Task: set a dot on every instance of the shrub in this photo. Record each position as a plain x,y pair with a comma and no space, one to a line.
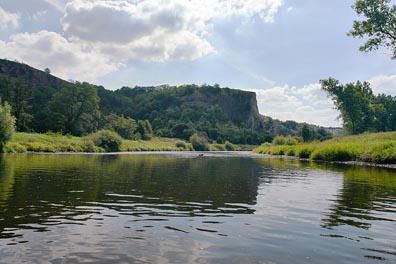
291,152
88,146
110,141
181,144
229,146
279,140
199,143
12,147
217,147
304,153
291,141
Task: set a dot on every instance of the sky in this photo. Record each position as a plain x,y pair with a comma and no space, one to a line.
279,49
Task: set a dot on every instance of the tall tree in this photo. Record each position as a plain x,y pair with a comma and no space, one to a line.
353,100
17,93
71,103
7,124
379,25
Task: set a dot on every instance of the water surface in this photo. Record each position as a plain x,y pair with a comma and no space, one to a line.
182,208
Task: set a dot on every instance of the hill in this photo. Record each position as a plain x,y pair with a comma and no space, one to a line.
42,102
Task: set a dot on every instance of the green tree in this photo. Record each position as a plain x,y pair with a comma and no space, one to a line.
379,25
110,141
353,100
199,143
125,127
7,124
306,133
17,93
144,129
70,104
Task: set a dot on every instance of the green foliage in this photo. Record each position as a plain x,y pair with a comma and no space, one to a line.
217,147
304,152
144,130
379,25
291,152
125,127
373,147
229,146
49,142
17,93
360,110
282,140
199,143
332,153
181,144
110,141
279,140
70,104
7,124
306,133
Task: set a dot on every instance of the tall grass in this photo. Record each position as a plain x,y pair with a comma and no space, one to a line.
373,147
54,142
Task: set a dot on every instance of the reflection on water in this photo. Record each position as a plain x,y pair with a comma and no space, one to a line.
181,208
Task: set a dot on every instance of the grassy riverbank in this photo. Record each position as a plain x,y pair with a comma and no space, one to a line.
53,142
373,147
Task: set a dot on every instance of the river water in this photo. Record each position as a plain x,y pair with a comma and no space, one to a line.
187,208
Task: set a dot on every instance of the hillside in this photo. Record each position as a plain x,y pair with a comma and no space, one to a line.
39,101
30,75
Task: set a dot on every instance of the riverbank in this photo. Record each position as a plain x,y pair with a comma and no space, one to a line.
54,142
377,148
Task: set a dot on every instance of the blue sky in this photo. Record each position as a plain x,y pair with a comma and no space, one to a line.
279,49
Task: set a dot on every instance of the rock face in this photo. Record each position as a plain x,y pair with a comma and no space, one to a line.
239,107
31,75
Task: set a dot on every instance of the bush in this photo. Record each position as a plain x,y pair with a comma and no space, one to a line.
291,152
199,143
217,147
279,140
181,144
291,141
110,141
304,153
88,146
229,146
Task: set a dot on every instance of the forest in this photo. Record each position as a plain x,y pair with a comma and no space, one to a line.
41,102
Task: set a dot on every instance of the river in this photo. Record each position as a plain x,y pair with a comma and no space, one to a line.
189,208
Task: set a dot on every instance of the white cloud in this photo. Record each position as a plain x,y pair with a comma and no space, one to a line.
155,30
384,84
58,4
38,15
102,35
307,104
64,58
8,20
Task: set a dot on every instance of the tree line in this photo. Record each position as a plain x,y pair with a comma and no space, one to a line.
361,110
72,109
214,113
